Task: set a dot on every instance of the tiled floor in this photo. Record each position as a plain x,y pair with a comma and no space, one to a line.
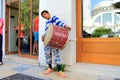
12,67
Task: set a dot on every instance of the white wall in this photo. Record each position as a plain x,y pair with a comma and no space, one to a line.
42,6
66,10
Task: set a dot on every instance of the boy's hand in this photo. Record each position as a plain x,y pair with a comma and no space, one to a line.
68,28
43,37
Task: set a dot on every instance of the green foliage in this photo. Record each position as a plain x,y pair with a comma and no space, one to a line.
36,6
62,67
117,5
25,11
101,31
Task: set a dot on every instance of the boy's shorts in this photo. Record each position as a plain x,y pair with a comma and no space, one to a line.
36,36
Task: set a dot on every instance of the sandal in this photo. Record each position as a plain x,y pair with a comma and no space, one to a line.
61,74
48,71
1,63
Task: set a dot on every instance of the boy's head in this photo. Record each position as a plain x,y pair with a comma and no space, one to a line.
45,14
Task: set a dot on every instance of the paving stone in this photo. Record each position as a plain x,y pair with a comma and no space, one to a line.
77,72
22,68
6,72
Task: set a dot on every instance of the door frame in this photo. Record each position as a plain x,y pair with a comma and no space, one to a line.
78,29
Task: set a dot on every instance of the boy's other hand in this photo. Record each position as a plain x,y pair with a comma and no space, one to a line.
68,28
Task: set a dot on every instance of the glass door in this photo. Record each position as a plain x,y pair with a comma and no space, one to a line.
29,9
35,26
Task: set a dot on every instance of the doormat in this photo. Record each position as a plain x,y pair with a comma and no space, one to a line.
117,79
19,76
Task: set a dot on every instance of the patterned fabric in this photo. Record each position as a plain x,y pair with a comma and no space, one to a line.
56,21
48,55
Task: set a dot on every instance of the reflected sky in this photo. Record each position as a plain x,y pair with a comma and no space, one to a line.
94,2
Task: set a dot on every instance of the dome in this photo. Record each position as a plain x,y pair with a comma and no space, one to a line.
105,3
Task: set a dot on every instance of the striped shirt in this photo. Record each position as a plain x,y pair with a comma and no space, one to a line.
54,20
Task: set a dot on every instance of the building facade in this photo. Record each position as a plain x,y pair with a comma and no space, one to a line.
78,48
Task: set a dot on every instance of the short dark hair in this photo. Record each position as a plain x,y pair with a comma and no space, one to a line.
44,11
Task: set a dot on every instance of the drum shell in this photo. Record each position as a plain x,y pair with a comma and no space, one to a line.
58,38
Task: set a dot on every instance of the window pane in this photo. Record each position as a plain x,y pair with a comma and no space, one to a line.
35,19
101,18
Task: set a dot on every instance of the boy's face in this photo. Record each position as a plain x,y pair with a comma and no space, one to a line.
46,15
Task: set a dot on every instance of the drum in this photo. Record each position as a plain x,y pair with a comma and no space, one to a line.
56,37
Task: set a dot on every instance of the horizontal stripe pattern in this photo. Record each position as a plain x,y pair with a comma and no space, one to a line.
56,21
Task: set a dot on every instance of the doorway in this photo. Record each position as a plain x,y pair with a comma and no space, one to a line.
11,21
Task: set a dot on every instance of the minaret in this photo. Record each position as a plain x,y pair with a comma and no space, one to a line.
86,9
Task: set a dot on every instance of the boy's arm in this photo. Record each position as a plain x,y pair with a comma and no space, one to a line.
58,22
15,28
43,37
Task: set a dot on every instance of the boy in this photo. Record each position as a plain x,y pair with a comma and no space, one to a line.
48,50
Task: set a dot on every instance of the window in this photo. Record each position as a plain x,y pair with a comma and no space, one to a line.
100,19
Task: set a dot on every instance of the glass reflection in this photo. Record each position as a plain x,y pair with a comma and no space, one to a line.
101,18
25,26
35,16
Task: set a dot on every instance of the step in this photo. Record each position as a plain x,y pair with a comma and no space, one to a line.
96,69
17,58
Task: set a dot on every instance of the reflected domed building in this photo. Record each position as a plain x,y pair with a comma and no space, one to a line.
105,15
103,6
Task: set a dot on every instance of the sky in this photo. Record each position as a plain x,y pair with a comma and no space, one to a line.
94,2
